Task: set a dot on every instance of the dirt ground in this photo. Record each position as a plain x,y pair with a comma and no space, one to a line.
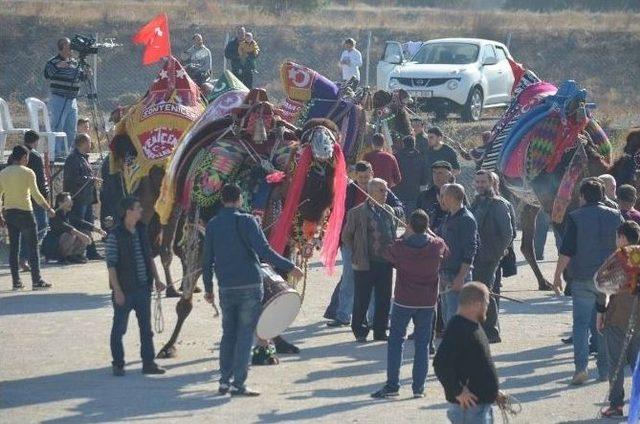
55,362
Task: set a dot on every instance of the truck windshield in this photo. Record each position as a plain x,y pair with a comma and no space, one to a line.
447,54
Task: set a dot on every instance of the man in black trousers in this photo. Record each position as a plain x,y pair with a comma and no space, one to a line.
369,231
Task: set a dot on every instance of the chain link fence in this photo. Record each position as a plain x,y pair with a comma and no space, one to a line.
121,78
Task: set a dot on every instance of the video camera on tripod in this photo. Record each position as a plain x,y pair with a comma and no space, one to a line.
86,45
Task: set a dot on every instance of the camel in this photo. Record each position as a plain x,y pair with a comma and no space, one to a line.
544,144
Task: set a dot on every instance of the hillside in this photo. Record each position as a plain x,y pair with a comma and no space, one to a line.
595,49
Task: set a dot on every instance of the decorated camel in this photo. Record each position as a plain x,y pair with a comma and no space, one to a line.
293,179
145,135
542,147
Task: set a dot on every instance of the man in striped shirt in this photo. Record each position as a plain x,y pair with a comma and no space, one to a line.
65,78
131,274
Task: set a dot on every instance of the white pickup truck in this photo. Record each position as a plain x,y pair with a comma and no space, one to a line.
461,75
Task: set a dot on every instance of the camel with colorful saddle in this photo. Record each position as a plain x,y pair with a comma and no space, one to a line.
545,143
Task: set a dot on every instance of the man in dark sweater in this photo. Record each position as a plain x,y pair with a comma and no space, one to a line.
131,276
417,124
429,200
460,233
232,54
463,363
36,164
416,257
414,174
496,233
438,151
79,180
234,243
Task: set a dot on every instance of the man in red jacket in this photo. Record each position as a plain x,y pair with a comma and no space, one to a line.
384,164
416,257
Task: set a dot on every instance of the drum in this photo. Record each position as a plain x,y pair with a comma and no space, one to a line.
280,305
619,273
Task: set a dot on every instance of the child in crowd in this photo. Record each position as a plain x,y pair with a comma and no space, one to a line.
417,257
248,51
612,321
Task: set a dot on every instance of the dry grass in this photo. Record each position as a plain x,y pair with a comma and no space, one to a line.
223,13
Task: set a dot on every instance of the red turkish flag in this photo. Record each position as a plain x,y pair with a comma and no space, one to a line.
155,38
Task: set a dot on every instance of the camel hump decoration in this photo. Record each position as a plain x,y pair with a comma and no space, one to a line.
310,95
545,133
150,130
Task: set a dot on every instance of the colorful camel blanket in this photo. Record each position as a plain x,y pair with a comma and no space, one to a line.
312,95
547,138
228,94
157,122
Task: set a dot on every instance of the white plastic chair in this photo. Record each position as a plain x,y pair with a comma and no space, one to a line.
35,108
6,127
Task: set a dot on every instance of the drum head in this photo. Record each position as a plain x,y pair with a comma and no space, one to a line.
278,314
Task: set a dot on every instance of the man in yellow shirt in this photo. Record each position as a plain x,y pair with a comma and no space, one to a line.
17,187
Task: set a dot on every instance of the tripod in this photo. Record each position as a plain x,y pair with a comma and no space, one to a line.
97,118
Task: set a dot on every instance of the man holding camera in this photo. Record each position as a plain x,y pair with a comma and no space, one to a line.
65,77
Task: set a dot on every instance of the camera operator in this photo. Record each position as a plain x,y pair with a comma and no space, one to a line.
65,77
197,60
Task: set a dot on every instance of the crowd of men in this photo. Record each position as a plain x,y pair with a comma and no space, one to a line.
449,261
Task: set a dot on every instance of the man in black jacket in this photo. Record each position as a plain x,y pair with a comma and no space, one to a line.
463,363
79,180
496,234
131,274
232,55
36,164
429,199
414,172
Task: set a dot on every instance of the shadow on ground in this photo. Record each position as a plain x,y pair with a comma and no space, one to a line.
45,302
103,399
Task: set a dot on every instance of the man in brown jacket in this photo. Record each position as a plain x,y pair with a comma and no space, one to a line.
369,231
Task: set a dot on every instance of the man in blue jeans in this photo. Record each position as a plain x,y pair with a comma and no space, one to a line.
65,78
589,238
416,257
234,243
131,274
460,232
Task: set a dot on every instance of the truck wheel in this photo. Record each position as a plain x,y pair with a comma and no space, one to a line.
473,108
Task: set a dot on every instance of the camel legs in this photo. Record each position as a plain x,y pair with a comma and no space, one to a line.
528,218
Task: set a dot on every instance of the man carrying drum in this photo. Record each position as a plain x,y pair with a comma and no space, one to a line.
235,243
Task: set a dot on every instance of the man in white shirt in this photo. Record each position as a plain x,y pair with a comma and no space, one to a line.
197,60
350,60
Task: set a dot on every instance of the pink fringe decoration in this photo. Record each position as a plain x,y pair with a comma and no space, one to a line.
280,234
331,240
